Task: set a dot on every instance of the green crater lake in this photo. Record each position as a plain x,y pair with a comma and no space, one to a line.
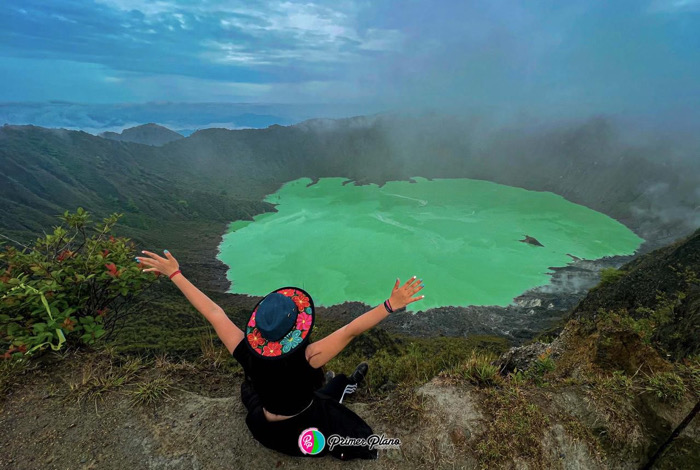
350,243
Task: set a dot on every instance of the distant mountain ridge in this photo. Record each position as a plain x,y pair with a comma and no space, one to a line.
586,164
149,134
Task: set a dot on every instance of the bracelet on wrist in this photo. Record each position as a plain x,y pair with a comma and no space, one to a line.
387,306
173,274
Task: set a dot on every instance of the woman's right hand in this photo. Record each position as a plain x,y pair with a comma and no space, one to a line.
402,296
158,264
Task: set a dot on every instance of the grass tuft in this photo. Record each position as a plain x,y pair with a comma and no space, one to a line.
666,386
477,369
151,392
98,379
214,355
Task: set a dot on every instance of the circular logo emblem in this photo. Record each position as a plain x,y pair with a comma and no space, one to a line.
311,441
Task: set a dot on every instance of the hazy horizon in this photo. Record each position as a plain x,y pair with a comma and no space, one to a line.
633,60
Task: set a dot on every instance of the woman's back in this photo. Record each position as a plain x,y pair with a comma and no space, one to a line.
286,384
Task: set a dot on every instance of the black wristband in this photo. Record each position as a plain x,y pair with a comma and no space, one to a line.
387,306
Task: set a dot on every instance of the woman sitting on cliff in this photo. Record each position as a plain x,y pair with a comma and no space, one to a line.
283,376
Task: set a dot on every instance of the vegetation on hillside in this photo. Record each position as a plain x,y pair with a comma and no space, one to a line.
74,286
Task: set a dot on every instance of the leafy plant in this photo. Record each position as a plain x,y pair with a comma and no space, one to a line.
73,287
540,367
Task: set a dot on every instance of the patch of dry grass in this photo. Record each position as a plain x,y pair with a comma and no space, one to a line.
404,407
102,375
515,428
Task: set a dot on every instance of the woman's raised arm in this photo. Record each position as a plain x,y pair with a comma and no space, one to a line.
322,351
229,333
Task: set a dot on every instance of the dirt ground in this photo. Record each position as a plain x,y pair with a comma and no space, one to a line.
200,424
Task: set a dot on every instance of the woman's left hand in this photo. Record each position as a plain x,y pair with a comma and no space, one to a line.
402,296
158,264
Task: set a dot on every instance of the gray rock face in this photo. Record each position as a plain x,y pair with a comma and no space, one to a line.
521,358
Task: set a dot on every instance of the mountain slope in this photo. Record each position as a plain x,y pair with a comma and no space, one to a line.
44,172
148,134
661,287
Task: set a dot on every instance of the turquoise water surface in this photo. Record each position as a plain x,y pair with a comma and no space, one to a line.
350,243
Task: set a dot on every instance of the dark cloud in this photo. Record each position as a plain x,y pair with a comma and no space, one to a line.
548,59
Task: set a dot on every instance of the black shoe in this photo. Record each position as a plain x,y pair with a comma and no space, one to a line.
359,374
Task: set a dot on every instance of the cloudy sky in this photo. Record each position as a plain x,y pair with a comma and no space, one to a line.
581,57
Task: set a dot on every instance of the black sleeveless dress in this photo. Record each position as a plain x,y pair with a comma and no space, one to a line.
289,386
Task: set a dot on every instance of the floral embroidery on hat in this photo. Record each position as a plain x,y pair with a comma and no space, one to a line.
302,301
290,341
272,348
304,322
256,338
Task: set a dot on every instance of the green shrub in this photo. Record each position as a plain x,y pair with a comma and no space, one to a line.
543,364
539,368
72,287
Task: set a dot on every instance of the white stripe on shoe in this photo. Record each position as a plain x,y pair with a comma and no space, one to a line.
348,389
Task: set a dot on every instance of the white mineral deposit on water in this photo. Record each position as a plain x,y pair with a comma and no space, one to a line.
461,236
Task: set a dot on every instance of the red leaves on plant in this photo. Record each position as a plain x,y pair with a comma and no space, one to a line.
105,253
112,268
68,324
112,239
8,354
102,312
65,254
